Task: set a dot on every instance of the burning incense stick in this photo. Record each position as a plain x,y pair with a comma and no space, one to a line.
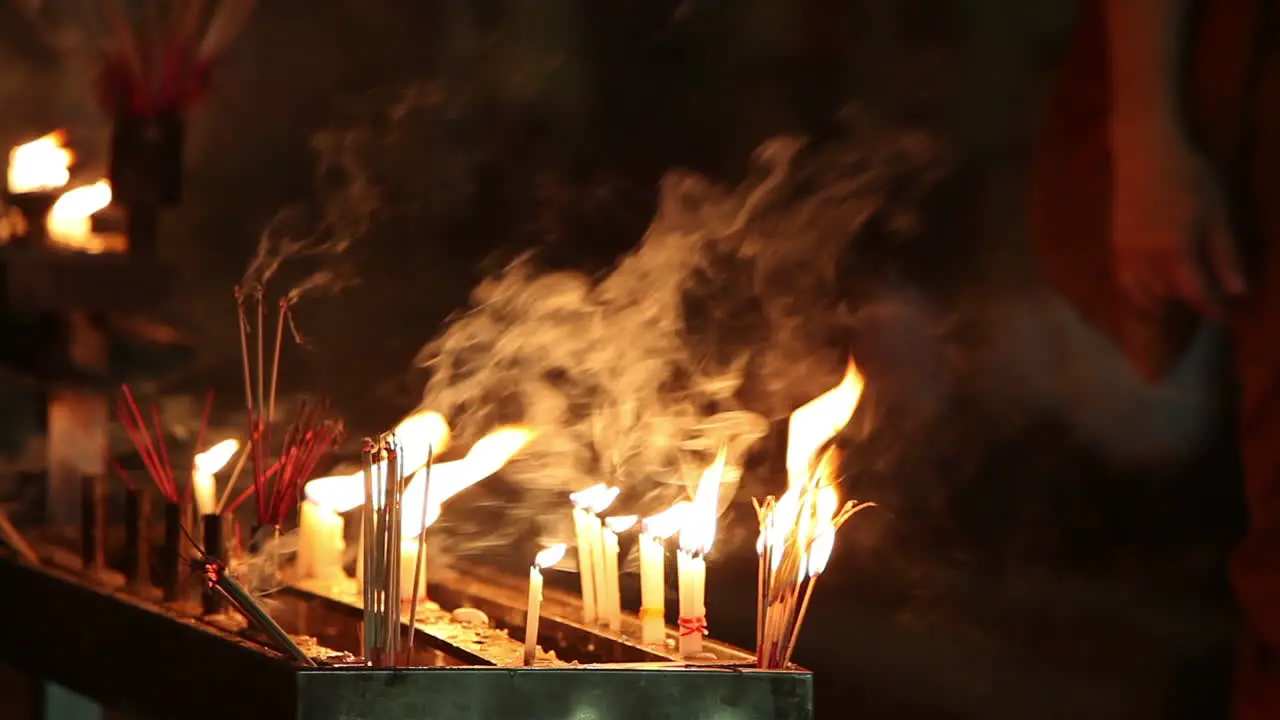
382,530
547,558
422,548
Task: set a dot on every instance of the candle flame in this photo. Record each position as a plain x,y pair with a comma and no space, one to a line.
595,499
548,557
215,458
484,459
620,523
811,425
698,533
416,433
70,221
666,523
42,164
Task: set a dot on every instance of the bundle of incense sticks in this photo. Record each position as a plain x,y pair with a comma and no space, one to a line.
797,534
154,452
159,62
278,486
382,530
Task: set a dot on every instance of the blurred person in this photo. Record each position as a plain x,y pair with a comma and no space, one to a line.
1163,135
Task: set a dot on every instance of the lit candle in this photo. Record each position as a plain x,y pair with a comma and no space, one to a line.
544,559
321,541
205,464
653,605
696,538
587,504
613,594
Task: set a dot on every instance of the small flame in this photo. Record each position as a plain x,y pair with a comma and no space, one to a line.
666,523
548,557
215,458
416,433
486,457
817,421
699,531
595,499
621,523
42,164
70,221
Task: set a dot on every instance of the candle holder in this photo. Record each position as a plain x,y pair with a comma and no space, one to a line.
137,520
215,546
93,520
173,572
34,207
146,172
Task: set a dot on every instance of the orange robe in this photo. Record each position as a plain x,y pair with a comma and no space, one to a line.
1233,100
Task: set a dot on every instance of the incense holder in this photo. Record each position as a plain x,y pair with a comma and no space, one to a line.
172,570
215,546
137,516
93,519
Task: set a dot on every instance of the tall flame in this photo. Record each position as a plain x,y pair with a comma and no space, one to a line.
212,460
817,421
486,457
666,523
40,165
698,533
548,557
809,429
416,433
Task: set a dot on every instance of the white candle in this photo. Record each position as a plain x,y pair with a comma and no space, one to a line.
582,520
408,559
204,465
697,535
205,490
653,568
591,502
653,606
693,609
613,593
545,559
321,542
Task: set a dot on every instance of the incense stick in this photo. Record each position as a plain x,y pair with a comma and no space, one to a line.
418,560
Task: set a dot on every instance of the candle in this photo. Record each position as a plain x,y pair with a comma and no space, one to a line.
588,504
544,559
205,465
653,606
321,541
613,594
697,536
582,519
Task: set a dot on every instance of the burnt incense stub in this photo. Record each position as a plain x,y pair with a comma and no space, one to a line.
137,512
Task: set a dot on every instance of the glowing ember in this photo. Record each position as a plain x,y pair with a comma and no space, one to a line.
40,165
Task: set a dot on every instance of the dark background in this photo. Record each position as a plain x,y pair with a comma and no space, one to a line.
1018,568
